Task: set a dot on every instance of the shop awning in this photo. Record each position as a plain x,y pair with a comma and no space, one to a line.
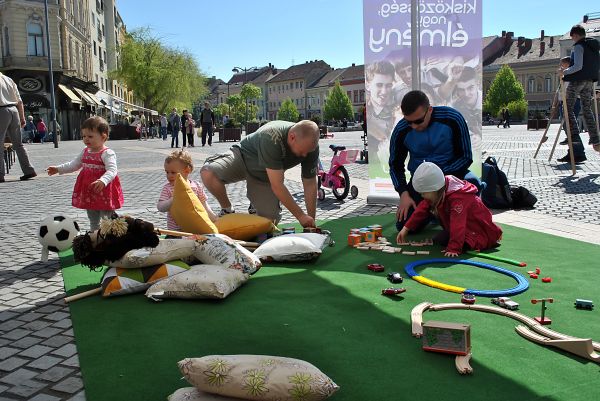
69,93
86,96
95,99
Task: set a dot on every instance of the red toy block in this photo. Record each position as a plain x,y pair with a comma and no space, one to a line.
392,291
537,270
533,275
546,279
375,267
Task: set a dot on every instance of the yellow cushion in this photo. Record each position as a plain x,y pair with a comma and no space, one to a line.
187,210
243,226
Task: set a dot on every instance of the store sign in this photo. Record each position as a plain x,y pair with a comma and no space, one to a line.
29,84
34,101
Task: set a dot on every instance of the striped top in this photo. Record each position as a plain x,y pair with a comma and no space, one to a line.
446,142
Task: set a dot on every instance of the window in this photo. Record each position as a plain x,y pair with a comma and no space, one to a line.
35,40
95,54
93,20
530,85
6,42
349,93
361,97
297,85
355,96
300,84
548,84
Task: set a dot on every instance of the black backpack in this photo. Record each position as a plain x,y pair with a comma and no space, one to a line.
522,198
496,194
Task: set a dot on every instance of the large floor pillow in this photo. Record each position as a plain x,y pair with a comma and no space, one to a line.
187,210
244,226
193,394
218,249
292,247
119,281
258,377
166,250
200,281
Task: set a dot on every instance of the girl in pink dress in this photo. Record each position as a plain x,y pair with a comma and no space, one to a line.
98,188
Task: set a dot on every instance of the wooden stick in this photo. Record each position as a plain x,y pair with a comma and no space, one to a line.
595,108
84,294
552,112
199,236
556,139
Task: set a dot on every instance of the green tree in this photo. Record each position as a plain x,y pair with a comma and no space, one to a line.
338,105
160,76
288,111
517,109
237,108
504,89
250,92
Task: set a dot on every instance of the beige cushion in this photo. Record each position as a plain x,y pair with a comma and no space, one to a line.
258,377
218,249
292,247
167,250
193,394
200,281
244,226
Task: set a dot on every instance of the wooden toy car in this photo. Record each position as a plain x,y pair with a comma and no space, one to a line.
584,304
395,277
468,299
392,291
375,267
506,303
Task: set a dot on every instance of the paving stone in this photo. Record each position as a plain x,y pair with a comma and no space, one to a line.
70,385
14,302
6,352
12,363
69,332
36,325
26,342
30,316
56,316
11,325
55,373
7,315
16,334
72,361
45,362
78,397
44,397
19,376
36,351
26,388
2,388
47,332
64,323
49,309
66,351
57,341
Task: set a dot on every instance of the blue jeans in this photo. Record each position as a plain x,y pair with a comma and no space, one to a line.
175,138
470,177
163,133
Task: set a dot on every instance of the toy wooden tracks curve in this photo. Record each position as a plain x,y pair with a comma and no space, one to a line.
533,331
462,364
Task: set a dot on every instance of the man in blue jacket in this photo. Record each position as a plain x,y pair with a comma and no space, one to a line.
581,75
438,135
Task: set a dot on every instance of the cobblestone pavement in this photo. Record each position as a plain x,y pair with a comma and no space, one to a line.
38,355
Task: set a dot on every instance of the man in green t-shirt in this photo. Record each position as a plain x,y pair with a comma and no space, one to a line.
261,159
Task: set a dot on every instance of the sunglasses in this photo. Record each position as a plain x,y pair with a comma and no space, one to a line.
419,121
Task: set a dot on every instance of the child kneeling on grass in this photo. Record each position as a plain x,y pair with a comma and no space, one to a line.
466,221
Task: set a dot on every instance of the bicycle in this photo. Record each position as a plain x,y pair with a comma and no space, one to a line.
337,178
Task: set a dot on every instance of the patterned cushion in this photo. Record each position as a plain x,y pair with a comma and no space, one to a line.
187,210
167,249
258,377
292,247
201,281
119,281
193,394
218,249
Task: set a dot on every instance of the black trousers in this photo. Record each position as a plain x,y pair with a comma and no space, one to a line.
207,130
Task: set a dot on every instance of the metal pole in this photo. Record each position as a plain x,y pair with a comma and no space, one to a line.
51,73
415,43
246,117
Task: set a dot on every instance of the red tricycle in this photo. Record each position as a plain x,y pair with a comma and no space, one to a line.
337,178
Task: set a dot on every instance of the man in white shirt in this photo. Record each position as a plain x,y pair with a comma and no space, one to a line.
12,119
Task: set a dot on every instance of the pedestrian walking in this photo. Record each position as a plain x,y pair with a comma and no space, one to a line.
175,122
163,126
42,129
30,130
183,124
98,188
12,119
506,118
189,129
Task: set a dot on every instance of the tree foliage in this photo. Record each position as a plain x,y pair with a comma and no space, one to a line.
517,109
504,89
288,111
160,76
338,105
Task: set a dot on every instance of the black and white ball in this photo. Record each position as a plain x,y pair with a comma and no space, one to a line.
57,232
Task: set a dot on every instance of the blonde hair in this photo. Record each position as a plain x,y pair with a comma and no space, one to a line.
181,156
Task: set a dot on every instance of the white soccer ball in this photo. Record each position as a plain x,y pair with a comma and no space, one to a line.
57,232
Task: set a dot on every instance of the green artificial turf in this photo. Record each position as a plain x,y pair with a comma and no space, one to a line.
331,313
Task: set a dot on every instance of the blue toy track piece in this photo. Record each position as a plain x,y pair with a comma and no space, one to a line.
521,287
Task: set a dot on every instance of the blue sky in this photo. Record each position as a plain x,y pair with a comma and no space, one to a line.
227,33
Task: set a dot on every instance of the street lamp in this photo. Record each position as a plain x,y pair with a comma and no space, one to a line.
238,70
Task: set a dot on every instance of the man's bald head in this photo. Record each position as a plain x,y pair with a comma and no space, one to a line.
303,137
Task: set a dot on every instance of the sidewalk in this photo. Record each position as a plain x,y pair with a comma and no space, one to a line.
38,355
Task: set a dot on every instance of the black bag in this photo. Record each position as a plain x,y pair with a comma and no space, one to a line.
496,194
522,198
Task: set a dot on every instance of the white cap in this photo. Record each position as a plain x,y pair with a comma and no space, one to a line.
428,178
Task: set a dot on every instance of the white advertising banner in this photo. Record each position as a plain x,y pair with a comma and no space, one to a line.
449,67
